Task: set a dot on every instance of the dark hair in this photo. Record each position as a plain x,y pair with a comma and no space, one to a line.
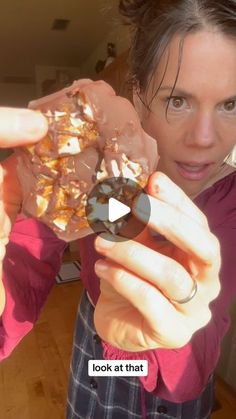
155,22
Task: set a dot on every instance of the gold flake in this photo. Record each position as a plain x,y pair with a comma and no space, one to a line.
77,122
42,205
63,218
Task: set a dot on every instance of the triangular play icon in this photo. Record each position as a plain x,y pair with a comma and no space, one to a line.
117,209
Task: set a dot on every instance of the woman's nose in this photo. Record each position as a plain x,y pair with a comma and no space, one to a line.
201,131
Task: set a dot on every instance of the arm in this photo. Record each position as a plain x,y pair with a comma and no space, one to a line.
33,258
17,127
197,360
180,374
32,253
132,280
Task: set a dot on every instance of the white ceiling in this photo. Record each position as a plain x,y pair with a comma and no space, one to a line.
26,38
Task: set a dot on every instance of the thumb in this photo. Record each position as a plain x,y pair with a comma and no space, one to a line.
21,126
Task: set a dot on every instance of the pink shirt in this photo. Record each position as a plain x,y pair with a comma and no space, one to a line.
33,259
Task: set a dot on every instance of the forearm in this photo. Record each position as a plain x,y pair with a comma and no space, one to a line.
31,263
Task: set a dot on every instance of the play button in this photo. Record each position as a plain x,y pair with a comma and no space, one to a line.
116,210
109,208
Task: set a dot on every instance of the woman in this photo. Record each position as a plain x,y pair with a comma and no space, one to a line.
160,296
183,64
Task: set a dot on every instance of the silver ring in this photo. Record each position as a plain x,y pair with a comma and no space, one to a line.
191,295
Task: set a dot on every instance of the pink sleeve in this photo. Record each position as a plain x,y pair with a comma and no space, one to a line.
32,261
179,375
184,372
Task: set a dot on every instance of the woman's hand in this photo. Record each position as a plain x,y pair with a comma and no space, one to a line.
17,127
141,279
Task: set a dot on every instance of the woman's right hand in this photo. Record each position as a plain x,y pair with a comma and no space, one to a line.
17,127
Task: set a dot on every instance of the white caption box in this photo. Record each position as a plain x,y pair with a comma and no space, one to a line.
132,368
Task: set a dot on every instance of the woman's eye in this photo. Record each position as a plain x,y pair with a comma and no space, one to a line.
176,102
230,106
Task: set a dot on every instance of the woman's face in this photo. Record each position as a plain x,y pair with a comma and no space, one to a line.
200,128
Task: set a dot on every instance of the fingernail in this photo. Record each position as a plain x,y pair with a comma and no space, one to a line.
155,189
159,182
100,266
103,244
31,123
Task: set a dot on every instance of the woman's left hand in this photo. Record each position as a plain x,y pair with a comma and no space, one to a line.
141,279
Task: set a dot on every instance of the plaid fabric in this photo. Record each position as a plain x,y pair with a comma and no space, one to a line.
118,397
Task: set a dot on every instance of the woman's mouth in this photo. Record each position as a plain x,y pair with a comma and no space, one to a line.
193,170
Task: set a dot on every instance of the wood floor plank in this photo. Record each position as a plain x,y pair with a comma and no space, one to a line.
227,398
34,379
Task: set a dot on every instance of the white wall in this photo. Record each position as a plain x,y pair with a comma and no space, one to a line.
119,35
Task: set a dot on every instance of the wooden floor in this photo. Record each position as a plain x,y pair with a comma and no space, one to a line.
33,381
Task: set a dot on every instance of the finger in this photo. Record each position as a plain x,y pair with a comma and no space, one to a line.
118,277
21,126
159,270
161,186
153,306
180,229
